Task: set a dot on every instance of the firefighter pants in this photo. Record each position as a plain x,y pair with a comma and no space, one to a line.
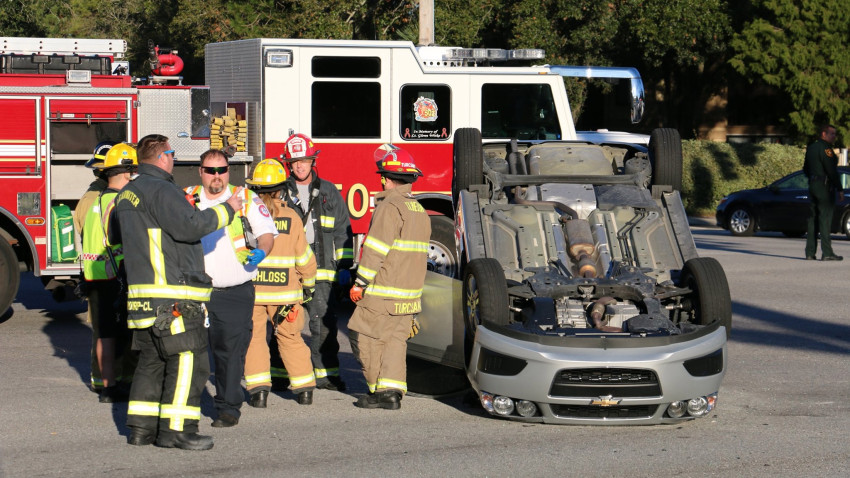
324,345
230,312
108,315
379,342
293,352
166,390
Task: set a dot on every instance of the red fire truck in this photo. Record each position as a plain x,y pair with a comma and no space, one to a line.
60,97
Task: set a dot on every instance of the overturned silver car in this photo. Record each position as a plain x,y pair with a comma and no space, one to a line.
582,299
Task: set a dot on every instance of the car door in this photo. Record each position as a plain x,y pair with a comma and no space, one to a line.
842,208
786,206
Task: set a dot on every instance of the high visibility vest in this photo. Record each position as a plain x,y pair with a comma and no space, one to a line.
235,231
96,262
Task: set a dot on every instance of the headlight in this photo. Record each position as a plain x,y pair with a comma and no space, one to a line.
503,405
676,409
487,401
526,408
697,407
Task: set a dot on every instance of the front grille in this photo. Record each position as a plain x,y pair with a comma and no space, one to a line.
592,411
599,382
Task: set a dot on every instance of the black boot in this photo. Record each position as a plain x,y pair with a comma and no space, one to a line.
141,437
258,399
331,383
184,441
389,400
305,398
113,394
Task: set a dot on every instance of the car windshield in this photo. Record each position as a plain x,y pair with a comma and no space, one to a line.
795,181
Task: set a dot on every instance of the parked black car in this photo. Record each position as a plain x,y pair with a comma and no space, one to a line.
782,206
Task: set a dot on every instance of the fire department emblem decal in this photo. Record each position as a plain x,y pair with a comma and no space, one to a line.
425,109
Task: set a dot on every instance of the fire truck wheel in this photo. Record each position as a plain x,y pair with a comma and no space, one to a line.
665,154
468,160
9,273
442,253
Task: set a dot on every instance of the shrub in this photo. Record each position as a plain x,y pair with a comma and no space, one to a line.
712,170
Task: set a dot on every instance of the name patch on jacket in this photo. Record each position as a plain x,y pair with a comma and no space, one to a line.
128,196
414,206
408,308
283,224
272,277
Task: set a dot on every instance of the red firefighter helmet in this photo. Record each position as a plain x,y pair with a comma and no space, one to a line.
396,163
299,147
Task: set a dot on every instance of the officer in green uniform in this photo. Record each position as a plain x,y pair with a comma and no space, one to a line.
821,167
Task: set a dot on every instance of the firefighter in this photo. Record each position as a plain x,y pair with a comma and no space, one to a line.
101,262
325,216
167,286
231,256
389,281
83,206
285,278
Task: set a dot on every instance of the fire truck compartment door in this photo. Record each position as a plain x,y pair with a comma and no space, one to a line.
21,151
88,109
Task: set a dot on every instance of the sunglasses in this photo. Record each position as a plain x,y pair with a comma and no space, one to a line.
215,169
171,152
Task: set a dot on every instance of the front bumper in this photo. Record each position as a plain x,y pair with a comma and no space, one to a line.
597,385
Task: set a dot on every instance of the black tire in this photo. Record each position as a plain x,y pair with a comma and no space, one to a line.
741,221
665,154
845,224
468,160
10,275
485,297
431,380
442,253
710,299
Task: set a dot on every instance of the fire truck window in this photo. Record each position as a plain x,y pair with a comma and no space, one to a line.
81,138
346,110
346,67
425,112
518,111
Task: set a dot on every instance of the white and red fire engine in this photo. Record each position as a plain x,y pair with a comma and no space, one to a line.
61,97
352,96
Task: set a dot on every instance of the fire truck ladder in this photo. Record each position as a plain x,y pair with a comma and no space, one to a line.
63,46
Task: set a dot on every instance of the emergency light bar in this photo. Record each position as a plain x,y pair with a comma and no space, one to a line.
478,55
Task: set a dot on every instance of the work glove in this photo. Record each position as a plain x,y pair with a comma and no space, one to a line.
307,294
344,277
356,293
414,328
255,257
165,315
292,315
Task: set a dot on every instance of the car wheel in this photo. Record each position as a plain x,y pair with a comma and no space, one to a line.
442,253
709,300
665,155
741,222
468,160
431,380
485,295
10,273
845,224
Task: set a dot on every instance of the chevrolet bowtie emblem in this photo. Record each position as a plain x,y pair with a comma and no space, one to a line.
605,401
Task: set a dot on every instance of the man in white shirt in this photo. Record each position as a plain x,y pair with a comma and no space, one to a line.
231,257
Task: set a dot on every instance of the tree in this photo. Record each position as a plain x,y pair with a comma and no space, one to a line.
802,49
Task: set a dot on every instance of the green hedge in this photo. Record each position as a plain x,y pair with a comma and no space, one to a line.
711,170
